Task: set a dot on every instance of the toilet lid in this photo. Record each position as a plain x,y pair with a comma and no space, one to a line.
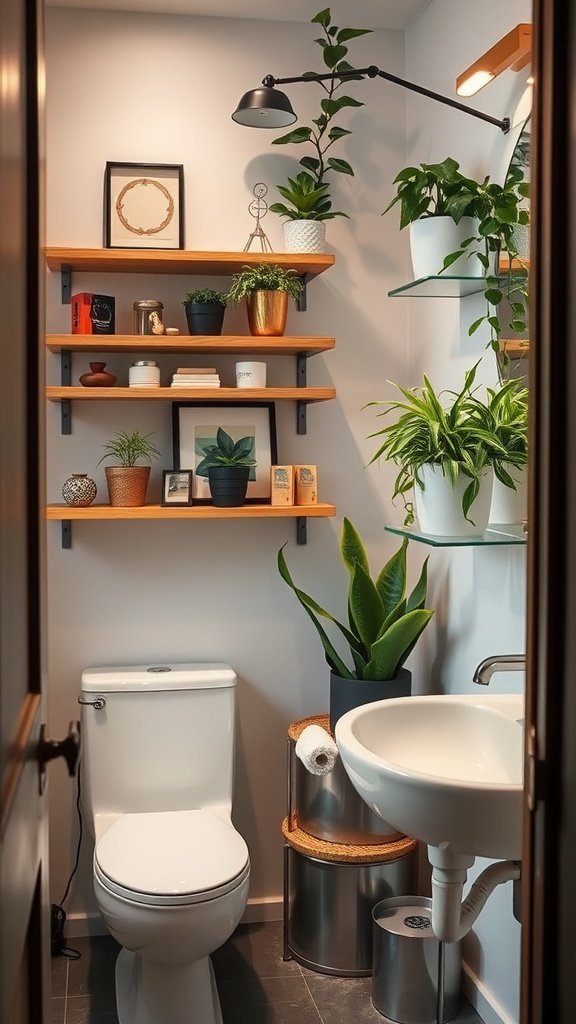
169,857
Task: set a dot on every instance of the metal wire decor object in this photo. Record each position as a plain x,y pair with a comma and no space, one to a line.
258,208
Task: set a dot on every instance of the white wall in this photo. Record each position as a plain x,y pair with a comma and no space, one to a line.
161,89
480,592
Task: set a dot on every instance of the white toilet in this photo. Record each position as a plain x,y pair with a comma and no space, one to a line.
171,872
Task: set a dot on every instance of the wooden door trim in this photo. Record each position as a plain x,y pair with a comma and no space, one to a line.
26,738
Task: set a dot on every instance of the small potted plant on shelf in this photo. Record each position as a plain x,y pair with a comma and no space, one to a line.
384,624
309,192
507,416
127,482
467,228
205,310
265,289
227,464
448,453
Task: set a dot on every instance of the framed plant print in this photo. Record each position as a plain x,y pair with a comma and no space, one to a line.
144,206
176,488
194,428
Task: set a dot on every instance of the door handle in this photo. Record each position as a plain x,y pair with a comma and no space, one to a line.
68,748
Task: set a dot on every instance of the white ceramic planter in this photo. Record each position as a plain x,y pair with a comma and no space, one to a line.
433,238
510,506
304,236
439,505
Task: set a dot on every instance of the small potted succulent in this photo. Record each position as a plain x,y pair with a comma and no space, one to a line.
265,288
227,464
384,623
307,207
127,482
205,310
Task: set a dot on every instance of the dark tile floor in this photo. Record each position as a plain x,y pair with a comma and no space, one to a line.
255,985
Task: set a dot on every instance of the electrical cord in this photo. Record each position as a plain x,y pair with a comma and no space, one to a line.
58,917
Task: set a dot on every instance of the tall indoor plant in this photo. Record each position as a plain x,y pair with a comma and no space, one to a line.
127,481
448,452
303,232
265,289
384,624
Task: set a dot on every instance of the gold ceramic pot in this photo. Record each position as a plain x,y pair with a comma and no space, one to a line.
267,313
127,485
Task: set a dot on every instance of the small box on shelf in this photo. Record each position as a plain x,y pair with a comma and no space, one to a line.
306,485
93,314
282,485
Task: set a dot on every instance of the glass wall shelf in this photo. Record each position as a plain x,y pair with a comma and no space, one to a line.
494,535
442,287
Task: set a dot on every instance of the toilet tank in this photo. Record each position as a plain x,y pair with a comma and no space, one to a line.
163,741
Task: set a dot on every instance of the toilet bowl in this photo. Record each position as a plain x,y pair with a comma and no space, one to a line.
171,884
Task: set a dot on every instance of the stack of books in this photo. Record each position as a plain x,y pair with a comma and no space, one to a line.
195,377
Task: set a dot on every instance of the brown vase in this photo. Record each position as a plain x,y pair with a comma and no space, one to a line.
98,377
267,313
127,485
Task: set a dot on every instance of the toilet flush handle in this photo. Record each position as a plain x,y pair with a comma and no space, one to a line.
98,701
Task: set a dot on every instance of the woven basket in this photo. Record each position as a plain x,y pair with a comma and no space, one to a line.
127,485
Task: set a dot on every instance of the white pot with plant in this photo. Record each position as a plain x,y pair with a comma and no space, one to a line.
128,482
448,453
508,406
308,202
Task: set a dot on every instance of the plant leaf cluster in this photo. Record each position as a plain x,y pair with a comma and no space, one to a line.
226,452
126,448
207,296
383,622
324,131
263,277
307,199
463,437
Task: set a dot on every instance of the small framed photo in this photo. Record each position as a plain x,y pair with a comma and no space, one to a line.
144,206
194,428
176,487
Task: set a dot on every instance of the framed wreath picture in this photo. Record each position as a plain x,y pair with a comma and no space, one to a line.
144,206
195,426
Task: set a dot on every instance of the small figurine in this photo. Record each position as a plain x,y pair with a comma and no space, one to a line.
156,323
258,208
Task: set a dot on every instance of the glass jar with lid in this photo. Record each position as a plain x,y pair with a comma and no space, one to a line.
144,373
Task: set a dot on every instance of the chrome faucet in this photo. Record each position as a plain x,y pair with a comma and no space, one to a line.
498,663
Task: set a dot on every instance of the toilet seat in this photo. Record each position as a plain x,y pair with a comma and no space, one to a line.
169,858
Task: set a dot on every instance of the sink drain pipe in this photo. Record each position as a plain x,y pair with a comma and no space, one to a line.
452,919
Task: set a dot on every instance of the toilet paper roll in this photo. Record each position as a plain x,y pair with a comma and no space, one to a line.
316,749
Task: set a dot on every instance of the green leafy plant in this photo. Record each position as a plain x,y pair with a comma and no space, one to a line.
383,623
505,415
433,190
307,200
465,436
324,132
126,449
226,452
264,277
207,296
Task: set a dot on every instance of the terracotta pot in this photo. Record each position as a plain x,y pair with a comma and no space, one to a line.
267,313
127,485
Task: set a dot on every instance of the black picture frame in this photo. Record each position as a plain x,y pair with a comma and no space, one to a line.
235,418
143,205
176,488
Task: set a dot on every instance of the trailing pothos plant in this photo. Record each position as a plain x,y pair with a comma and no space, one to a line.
324,131
384,622
463,436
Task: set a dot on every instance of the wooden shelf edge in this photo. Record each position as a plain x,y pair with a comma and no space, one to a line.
208,344
59,512
239,395
178,261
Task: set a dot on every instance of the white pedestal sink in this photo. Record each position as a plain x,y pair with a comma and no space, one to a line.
448,771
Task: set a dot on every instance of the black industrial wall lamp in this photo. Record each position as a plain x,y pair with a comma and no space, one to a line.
267,107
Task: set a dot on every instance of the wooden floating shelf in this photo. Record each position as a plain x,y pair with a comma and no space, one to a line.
235,395
180,261
515,348
67,512
210,344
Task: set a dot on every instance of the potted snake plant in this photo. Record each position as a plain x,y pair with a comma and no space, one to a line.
384,625
227,464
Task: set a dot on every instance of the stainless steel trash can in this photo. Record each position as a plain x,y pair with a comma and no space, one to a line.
415,977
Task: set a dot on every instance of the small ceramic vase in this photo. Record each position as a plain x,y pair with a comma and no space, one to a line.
98,377
79,490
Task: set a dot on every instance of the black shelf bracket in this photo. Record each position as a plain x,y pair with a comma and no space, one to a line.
301,530
301,300
301,371
65,283
66,534
65,381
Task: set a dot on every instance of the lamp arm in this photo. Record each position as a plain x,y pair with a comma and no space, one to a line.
374,72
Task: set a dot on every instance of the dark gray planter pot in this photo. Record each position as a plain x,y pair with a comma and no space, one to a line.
204,317
346,694
228,485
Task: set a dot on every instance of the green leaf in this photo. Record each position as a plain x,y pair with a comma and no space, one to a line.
352,548
365,605
332,54
391,582
338,133
341,166
322,18
474,327
352,33
297,135
417,598
390,651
